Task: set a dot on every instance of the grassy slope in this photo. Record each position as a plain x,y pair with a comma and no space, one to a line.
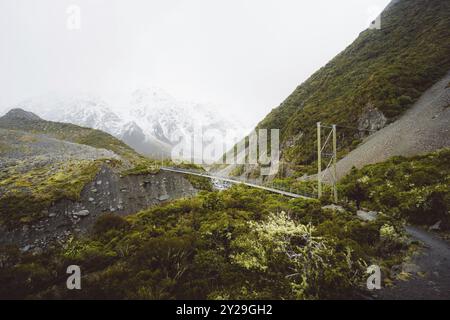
388,68
25,196
74,133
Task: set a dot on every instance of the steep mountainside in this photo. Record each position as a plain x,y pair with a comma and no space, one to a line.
424,128
369,84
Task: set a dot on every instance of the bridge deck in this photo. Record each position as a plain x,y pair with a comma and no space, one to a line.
206,175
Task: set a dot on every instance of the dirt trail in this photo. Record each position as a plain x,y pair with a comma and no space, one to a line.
430,271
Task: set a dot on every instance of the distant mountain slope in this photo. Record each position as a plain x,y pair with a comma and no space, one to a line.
29,149
380,75
18,119
151,121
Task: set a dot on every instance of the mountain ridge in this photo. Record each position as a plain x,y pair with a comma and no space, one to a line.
150,120
367,86
370,72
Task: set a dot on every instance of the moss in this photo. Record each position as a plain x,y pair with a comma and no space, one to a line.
4,148
28,194
142,168
200,183
238,171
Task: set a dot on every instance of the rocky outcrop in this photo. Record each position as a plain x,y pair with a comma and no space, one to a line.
371,120
107,193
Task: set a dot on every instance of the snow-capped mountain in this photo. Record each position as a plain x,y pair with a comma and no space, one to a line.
151,121
82,109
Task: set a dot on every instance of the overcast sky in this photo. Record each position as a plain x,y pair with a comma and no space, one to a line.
245,56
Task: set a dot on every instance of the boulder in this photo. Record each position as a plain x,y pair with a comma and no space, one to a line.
436,226
371,119
367,215
163,197
410,268
334,207
82,213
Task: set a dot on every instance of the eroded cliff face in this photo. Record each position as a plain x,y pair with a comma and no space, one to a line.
371,120
107,193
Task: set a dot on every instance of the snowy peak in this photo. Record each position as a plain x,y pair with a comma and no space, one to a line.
152,121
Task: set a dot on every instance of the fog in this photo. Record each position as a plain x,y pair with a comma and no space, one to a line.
244,56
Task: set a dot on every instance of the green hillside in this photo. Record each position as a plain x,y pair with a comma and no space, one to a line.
387,69
68,132
415,189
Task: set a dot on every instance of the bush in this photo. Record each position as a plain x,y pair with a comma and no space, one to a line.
109,222
412,188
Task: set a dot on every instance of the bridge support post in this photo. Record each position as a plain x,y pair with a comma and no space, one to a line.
335,193
319,162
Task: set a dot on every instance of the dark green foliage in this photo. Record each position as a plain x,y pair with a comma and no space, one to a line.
358,190
388,69
200,183
108,222
233,244
143,167
412,188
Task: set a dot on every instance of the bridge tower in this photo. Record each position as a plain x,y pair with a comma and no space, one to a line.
332,156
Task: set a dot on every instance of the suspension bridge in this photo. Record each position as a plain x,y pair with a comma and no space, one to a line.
235,181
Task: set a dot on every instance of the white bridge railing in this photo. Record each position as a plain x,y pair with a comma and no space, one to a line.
235,181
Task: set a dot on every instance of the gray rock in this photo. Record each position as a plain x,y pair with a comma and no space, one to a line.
371,119
99,182
395,270
82,213
26,248
367,216
163,197
436,226
334,207
410,268
91,199
52,215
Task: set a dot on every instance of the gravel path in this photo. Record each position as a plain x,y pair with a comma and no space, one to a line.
430,271
425,127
